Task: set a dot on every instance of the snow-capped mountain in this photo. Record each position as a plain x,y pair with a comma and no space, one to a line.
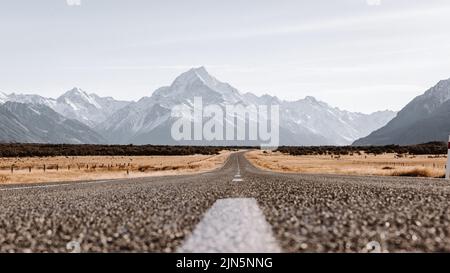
37,123
89,109
426,118
338,127
3,97
148,121
31,99
302,122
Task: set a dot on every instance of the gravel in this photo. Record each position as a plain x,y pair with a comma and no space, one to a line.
308,213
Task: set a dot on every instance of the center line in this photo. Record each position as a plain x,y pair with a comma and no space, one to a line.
235,225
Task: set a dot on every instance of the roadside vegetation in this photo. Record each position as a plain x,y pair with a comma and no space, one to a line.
47,150
431,148
79,168
355,162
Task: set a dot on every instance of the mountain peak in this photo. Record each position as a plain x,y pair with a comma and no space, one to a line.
200,69
78,96
311,99
196,74
75,90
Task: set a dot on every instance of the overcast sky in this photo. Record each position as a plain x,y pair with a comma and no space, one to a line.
358,55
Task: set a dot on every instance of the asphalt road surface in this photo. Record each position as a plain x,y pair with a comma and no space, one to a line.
235,209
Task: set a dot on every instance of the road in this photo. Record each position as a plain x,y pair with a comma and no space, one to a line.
234,209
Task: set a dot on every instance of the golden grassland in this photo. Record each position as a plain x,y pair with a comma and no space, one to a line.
364,164
80,168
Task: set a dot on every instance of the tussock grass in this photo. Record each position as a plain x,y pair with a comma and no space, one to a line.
3,179
79,168
414,173
359,163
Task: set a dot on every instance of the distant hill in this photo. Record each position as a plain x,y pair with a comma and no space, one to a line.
424,119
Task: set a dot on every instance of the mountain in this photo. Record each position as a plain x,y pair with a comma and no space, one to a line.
338,127
148,121
3,97
31,99
426,118
89,109
302,122
38,123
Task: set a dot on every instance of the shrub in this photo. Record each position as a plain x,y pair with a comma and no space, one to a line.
413,173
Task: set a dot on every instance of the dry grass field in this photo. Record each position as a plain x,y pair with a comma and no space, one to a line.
364,164
80,168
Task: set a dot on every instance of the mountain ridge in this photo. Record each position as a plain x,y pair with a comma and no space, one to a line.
424,119
75,103
130,124
306,121
28,123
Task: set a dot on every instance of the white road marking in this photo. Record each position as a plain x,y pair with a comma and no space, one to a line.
232,226
237,177
239,168
55,185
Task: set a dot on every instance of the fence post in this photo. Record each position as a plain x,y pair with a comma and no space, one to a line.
447,173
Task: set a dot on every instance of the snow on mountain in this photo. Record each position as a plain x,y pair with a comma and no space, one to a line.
89,109
148,121
303,122
196,83
38,123
31,99
3,97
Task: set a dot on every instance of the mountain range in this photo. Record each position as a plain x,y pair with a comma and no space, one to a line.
148,121
302,122
89,109
426,118
38,123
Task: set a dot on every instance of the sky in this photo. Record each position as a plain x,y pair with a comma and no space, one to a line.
358,55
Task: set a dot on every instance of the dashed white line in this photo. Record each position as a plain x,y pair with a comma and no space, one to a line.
237,177
232,226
